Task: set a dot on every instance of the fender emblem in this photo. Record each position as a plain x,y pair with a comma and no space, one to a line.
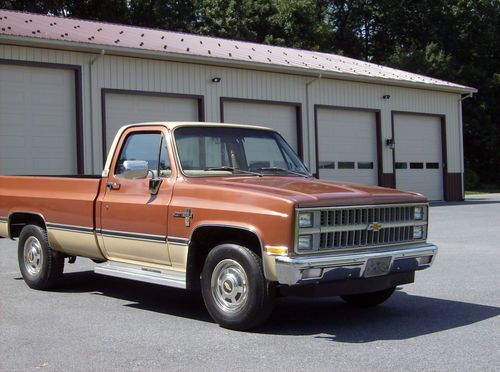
187,215
375,226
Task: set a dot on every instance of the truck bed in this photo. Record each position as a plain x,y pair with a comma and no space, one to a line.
65,204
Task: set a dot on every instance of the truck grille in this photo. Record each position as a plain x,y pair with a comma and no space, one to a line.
365,226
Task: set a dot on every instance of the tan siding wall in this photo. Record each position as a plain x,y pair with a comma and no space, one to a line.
160,76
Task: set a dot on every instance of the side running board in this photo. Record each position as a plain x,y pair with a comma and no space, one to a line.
166,277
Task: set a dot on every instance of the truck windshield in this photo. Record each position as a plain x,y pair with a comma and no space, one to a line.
222,151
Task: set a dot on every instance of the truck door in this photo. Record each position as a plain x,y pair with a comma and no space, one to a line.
133,220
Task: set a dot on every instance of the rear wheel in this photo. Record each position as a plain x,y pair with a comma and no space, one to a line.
40,266
234,288
369,299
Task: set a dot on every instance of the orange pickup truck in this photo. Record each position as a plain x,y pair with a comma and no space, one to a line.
228,209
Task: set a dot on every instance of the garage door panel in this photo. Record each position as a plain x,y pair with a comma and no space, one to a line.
8,164
347,145
418,154
12,123
124,109
11,100
280,117
37,120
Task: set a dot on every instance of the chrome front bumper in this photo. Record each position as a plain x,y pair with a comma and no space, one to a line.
320,269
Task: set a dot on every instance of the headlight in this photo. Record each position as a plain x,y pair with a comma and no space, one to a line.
418,213
305,242
418,232
306,219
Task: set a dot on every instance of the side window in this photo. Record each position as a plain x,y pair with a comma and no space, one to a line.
149,147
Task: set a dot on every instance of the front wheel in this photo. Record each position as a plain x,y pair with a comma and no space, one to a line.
369,299
234,288
40,266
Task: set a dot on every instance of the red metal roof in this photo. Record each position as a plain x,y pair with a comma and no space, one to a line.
100,34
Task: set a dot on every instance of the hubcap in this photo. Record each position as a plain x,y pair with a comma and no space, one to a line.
229,286
33,255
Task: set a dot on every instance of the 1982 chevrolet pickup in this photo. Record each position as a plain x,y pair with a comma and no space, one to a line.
230,209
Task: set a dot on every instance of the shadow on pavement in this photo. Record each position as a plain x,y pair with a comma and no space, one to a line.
144,296
403,316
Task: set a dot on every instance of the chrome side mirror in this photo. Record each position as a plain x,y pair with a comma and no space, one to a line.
135,169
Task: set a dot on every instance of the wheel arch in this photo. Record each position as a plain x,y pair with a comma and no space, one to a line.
17,220
207,236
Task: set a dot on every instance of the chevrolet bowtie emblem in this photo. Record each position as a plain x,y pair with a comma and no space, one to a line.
375,226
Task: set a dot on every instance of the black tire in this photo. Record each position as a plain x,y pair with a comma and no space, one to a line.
369,299
234,288
40,266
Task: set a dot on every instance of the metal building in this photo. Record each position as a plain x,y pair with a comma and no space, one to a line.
67,85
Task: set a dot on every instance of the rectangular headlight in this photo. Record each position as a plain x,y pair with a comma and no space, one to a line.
305,219
418,232
418,213
305,242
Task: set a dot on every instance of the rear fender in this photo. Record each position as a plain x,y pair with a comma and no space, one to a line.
18,219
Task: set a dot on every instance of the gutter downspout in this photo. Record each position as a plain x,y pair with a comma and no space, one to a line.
461,134
91,101
309,146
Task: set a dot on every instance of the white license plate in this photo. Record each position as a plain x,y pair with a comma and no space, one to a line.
377,266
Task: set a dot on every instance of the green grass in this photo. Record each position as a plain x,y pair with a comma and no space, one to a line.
482,191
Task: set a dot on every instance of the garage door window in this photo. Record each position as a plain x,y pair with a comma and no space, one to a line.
416,165
365,165
346,165
326,165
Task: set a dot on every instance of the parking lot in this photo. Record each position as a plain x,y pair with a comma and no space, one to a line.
447,320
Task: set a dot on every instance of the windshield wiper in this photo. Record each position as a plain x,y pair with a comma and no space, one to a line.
305,175
233,170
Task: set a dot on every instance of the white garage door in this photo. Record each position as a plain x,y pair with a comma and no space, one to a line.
418,154
124,109
347,146
37,120
282,118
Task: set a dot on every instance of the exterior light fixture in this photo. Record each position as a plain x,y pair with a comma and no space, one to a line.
389,142
216,80
386,96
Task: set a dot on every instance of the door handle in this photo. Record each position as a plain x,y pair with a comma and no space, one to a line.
113,185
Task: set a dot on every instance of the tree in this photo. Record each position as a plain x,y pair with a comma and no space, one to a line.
298,24
236,19
172,15
39,6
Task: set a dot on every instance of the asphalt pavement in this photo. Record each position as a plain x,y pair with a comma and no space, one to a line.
448,320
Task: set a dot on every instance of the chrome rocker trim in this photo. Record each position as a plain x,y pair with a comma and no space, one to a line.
293,270
166,277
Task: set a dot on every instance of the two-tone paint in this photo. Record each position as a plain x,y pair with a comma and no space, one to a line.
117,219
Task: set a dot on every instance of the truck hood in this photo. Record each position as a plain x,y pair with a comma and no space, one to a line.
311,192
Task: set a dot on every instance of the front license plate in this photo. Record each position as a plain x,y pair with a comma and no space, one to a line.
377,266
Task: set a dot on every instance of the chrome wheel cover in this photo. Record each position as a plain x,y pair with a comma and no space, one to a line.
33,255
229,285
